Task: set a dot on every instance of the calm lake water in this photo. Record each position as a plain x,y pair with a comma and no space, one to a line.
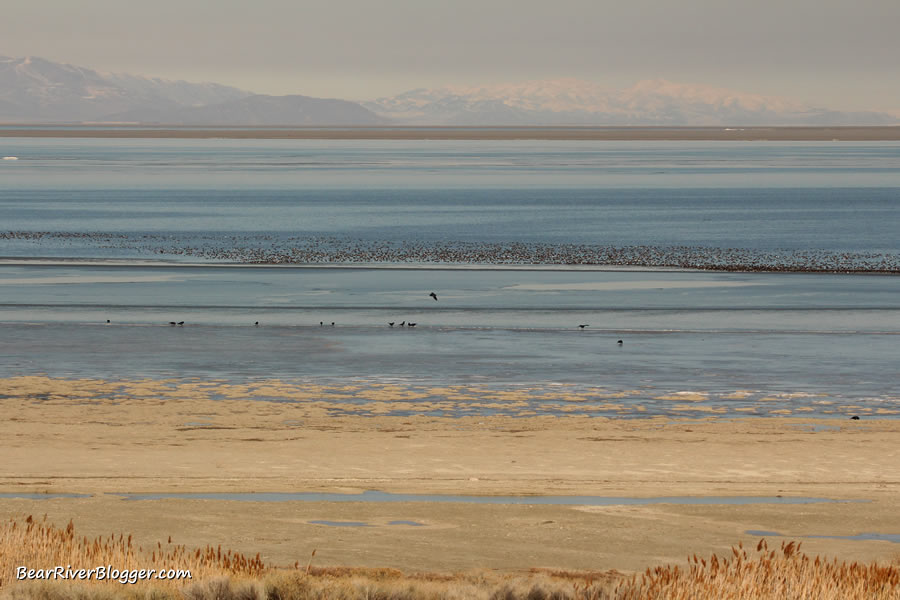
824,344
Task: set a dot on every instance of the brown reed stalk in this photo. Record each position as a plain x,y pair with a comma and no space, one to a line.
760,574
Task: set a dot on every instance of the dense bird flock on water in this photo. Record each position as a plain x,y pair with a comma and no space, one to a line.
266,249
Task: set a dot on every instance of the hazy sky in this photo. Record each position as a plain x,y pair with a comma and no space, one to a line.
843,54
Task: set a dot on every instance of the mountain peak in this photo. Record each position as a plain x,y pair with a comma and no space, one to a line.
577,102
33,89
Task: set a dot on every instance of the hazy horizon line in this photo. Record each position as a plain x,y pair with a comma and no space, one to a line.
463,87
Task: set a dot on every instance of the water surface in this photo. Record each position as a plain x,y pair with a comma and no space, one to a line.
164,213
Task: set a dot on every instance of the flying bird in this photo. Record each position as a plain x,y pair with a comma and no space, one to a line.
583,326
412,324
180,323
172,323
619,342
402,323
391,324
433,295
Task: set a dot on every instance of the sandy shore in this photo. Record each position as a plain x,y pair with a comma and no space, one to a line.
883,133
89,437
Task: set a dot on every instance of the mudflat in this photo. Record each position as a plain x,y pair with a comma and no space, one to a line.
101,130
89,437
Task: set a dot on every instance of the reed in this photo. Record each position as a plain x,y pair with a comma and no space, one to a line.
38,544
762,574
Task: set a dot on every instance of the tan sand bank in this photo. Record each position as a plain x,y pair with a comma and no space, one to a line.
876,133
92,437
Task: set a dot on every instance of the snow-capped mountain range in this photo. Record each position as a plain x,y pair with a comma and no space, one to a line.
34,90
577,102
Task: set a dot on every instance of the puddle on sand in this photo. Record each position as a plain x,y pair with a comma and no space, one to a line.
42,496
861,537
361,523
816,428
375,496
339,523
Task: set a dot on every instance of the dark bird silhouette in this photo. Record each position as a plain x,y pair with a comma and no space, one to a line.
321,324
180,323
402,323
583,326
619,342
256,324
412,324
332,323
107,320
391,324
172,323
433,295
854,418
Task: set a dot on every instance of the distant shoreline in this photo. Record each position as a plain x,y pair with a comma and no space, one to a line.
555,133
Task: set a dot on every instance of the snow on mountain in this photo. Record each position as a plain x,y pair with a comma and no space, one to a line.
38,90
35,89
577,102
450,105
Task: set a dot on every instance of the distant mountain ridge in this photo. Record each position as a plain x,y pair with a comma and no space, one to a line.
260,110
577,102
35,90
41,90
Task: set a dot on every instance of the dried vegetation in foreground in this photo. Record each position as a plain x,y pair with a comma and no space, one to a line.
765,574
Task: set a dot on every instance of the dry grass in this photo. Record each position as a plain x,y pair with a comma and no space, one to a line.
767,574
41,545
217,575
